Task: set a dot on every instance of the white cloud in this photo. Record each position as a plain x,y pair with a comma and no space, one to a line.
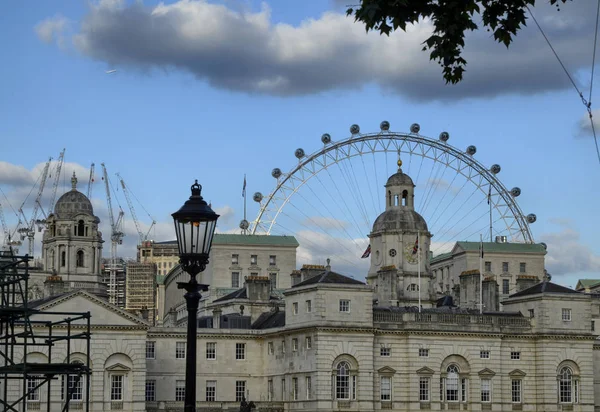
246,51
325,223
51,30
584,127
226,215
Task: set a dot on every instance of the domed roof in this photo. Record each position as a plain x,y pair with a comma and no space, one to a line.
73,203
399,218
400,179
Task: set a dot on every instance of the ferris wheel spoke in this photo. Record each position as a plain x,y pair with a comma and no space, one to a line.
340,197
441,200
354,190
369,186
433,224
441,230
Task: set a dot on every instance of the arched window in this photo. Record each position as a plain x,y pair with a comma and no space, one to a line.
80,256
396,200
63,258
80,228
568,388
452,384
405,198
344,381
389,198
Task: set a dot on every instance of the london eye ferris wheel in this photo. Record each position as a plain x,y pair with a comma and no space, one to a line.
330,198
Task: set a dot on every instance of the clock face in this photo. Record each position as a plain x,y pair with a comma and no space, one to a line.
410,255
392,252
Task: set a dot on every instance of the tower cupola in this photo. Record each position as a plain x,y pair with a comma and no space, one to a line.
400,190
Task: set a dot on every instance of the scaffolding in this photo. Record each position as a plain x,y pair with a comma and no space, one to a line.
141,288
26,381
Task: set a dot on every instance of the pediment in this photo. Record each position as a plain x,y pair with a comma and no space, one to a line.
425,371
118,367
486,373
517,373
386,370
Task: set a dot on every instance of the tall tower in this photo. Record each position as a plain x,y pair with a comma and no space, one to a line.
72,244
400,243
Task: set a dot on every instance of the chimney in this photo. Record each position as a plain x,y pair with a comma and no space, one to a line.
54,285
310,271
296,277
216,318
258,288
491,295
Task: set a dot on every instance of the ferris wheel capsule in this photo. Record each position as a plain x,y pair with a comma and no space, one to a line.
276,173
495,169
545,246
244,224
355,129
299,153
515,191
326,138
531,218
444,136
471,150
258,197
384,126
415,128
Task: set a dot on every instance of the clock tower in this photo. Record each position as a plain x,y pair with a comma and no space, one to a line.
400,242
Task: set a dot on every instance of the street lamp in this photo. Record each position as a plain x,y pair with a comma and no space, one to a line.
195,225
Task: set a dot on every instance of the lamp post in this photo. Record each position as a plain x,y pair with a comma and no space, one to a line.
195,225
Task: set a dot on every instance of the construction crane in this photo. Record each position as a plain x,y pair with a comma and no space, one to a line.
59,164
116,238
143,237
90,181
8,242
29,231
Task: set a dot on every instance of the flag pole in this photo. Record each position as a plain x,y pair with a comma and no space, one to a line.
419,267
481,274
244,196
490,204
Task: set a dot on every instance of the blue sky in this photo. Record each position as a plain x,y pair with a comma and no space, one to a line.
175,111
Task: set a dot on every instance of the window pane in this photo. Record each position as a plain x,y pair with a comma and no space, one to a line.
386,388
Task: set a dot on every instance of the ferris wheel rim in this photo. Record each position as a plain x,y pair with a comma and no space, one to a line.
471,162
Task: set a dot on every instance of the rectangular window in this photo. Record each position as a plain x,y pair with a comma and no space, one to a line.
33,393
505,286
235,279
515,355
270,348
308,385
283,389
253,260
240,390
424,353
354,387
463,390
295,345
515,390
240,351
386,388
211,391
211,350
308,342
488,266
504,267
295,389
283,346
423,389
295,308
486,392
179,391
308,306
272,260
235,260
253,274
116,388
150,391
270,390
385,351
484,354
531,313
74,387
566,315
273,279
150,350
523,267
179,350
344,305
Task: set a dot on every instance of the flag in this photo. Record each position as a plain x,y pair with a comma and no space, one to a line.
416,246
489,195
244,187
367,253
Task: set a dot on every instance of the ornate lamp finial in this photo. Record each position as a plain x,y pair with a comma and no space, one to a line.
74,181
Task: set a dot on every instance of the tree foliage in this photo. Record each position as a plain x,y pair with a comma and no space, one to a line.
451,19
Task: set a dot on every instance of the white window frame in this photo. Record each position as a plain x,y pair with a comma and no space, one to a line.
308,386
235,280
344,382
150,349
272,260
345,305
150,391
179,391
516,390
308,306
117,387
235,259
295,345
484,354
486,390
424,389
385,389
423,352
253,260
211,350
240,390
294,308
294,389
270,349
515,355
308,342
566,314
34,395
270,390
240,351
211,391
385,351
180,350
